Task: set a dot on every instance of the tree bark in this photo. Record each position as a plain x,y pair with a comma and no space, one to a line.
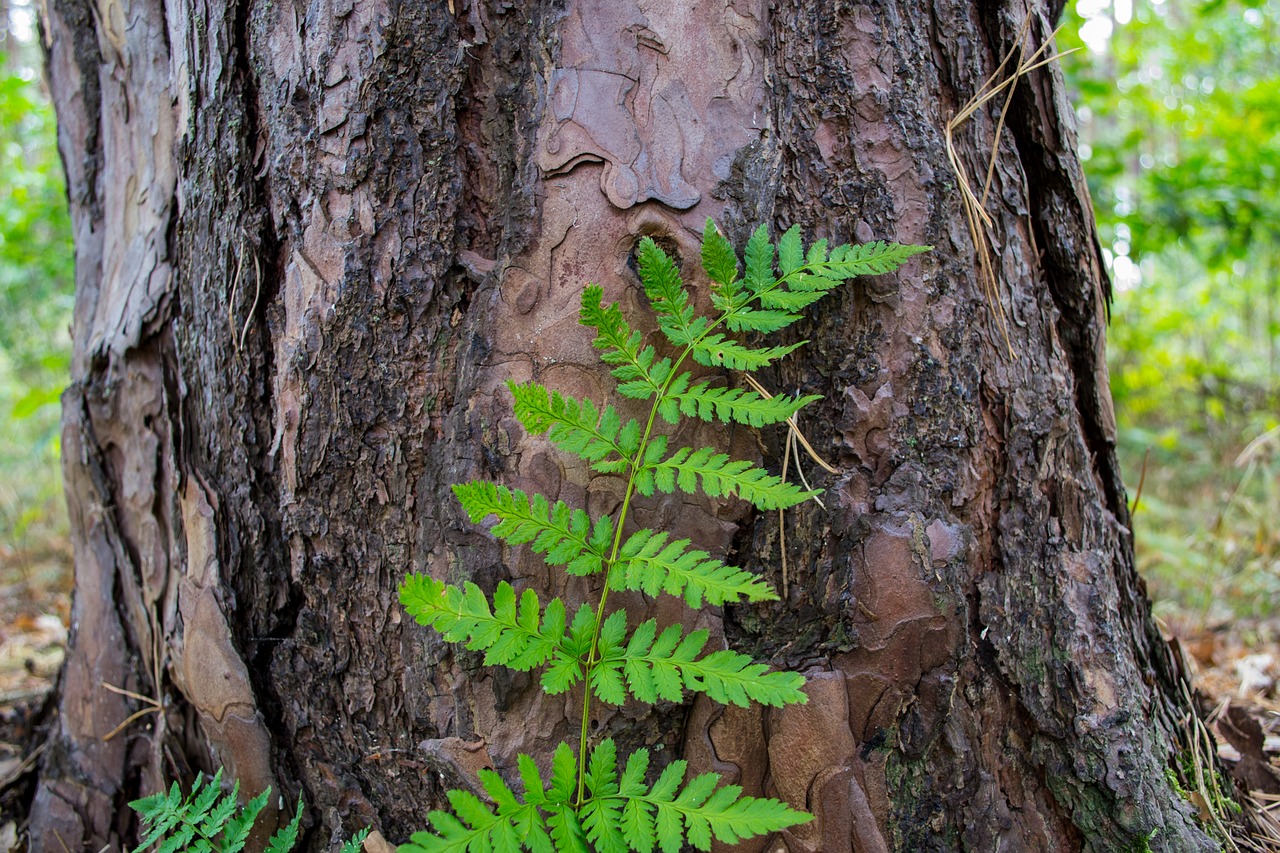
315,238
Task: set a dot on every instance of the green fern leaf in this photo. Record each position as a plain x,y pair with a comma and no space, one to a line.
286,837
576,427
649,564
792,300
565,669
236,833
180,840
733,405
565,537
720,475
667,295
606,675
671,665
790,251
218,816
721,265
566,830
202,800
602,813
356,843
764,322
715,350
759,258
626,816
870,258
509,635
817,253
640,375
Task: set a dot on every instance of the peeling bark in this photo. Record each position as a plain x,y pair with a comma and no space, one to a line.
315,238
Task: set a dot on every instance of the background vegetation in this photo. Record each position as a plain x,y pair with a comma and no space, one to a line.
36,281
1179,107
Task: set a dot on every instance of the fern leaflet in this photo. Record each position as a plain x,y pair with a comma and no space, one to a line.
639,374
521,637
730,405
566,537
577,427
207,821
667,295
650,564
663,668
719,476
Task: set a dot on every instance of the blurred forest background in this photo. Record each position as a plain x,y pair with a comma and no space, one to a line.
1179,113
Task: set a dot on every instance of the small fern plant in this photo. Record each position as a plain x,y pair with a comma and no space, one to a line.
204,822
591,801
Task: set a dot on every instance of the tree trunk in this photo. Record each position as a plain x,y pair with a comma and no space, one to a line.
313,241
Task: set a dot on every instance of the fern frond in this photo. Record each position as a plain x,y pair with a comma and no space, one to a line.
355,844
564,536
716,350
648,563
639,372
759,261
720,262
286,837
790,251
719,476
665,815
566,666
875,258
667,295
577,427
520,637
762,321
732,405
667,666
602,812
206,820
473,826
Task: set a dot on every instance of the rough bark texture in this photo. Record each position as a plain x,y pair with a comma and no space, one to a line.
314,239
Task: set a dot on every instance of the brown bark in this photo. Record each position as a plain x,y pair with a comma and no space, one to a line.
314,239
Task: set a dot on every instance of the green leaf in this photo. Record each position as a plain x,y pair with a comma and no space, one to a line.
647,562
573,426
759,257
566,537
764,322
734,405
356,843
667,294
719,475
790,251
719,260
869,259
462,614
286,837
715,350
671,665
238,827
602,812
636,369
626,816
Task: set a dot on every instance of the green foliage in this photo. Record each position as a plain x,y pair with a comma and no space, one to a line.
619,812
587,804
204,822
1178,114
36,278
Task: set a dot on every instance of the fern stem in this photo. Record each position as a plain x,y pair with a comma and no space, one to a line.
633,473
612,562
